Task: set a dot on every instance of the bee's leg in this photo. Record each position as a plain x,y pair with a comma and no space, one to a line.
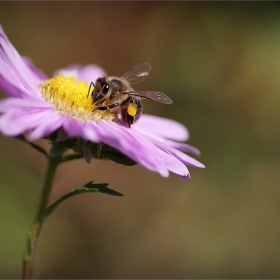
111,106
103,108
91,85
100,102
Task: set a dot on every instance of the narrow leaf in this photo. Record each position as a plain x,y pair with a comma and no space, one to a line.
102,188
87,188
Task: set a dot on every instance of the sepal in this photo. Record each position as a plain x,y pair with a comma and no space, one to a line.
103,151
89,150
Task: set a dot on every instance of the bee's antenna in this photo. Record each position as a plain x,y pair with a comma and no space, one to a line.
91,85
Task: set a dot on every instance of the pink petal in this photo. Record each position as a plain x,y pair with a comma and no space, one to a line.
10,83
92,132
31,103
186,159
184,147
16,121
136,149
49,122
152,125
11,59
85,129
88,73
39,73
143,151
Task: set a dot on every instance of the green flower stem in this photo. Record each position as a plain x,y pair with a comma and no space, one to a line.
28,261
44,210
53,163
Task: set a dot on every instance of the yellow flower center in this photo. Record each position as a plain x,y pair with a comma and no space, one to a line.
70,97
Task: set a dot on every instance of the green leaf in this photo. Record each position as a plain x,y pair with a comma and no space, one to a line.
102,188
87,188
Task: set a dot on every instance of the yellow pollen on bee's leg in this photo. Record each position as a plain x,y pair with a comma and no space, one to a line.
132,109
73,98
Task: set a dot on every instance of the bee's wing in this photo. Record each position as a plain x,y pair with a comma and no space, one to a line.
152,95
138,73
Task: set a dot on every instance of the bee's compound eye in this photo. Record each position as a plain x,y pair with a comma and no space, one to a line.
105,89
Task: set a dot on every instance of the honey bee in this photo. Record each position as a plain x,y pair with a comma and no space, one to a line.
116,94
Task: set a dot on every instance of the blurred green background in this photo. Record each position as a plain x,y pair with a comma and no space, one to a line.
220,64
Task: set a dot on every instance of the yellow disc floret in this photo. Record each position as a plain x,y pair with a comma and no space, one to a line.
71,98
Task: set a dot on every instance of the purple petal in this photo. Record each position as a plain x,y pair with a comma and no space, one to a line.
152,125
135,148
92,132
16,121
10,83
50,121
181,146
184,147
139,148
32,103
186,159
88,73
87,130
11,59
39,73
71,126
20,115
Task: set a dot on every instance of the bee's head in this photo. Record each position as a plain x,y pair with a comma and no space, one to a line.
101,89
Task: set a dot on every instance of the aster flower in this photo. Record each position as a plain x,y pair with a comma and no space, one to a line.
40,106
60,110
